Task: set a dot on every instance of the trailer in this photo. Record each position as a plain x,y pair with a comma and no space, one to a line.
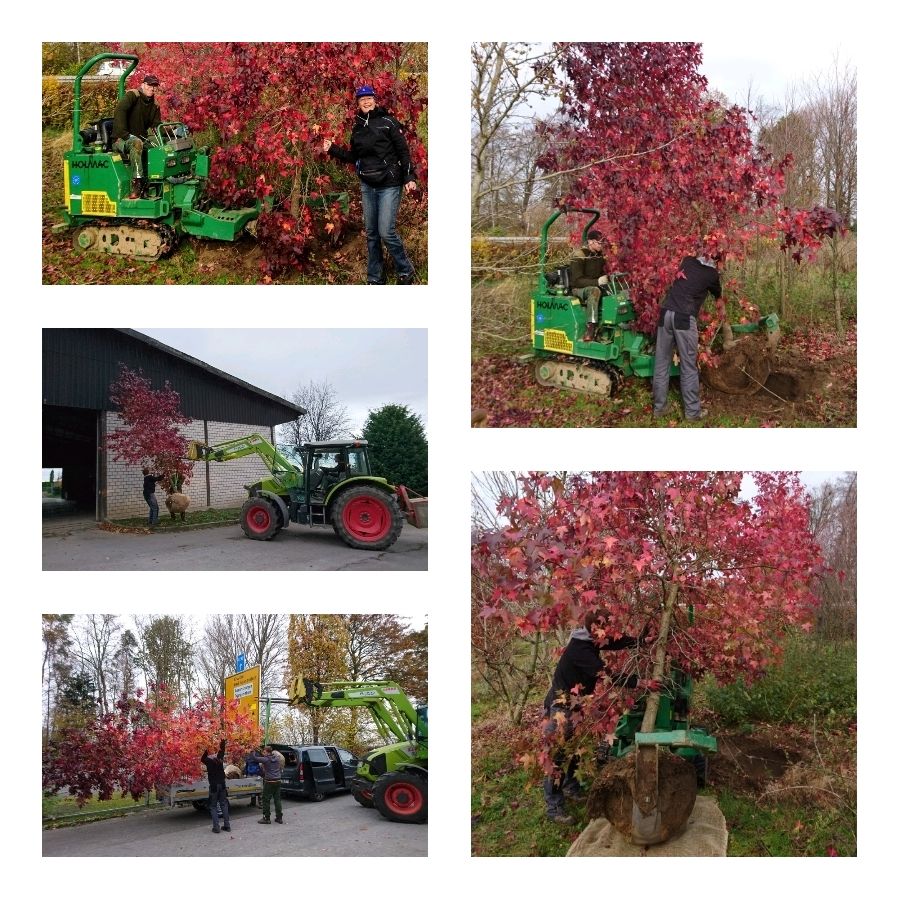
196,793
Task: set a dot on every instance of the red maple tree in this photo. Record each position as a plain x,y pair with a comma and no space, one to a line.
144,745
266,108
710,580
150,435
675,170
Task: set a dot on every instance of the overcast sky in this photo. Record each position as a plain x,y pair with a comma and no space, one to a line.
368,368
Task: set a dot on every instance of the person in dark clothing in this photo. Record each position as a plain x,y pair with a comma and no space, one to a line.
136,114
587,278
581,664
218,793
380,153
272,765
677,329
150,482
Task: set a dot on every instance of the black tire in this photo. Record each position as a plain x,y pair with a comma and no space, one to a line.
201,805
259,519
363,793
317,796
366,517
402,797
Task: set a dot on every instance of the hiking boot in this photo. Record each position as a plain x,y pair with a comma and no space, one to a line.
665,411
560,817
703,414
215,829
264,821
279,821
226,828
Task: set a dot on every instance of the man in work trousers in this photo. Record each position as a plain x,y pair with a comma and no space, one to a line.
587,271
218,793
581,664
271,766
150,494
677,329
136,114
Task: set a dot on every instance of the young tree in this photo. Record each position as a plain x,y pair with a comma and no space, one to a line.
268,107
150,435
325,419
95,642
143,745
398,448
166,657
710,579
384,647
56,665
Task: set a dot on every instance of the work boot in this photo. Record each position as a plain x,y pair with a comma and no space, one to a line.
703,414
215,829
137,189
279,820
589,332
264,821
406,279
226,828
560,817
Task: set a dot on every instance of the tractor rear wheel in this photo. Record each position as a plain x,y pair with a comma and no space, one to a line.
366,518
402,797
259,519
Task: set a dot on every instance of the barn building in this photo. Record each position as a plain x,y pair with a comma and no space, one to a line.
79,366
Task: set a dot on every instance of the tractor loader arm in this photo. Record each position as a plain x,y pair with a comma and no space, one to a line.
253,444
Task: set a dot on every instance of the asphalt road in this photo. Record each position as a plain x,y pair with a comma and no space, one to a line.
338,826
226,548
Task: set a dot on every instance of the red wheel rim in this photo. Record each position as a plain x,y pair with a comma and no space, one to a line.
259,519
403,798
367,518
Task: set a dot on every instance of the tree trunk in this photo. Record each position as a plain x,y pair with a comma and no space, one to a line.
659,662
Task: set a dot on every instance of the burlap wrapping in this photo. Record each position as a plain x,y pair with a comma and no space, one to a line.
705,835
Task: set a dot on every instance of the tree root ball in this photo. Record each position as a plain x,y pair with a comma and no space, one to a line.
177,504
742,369
611,795
232,771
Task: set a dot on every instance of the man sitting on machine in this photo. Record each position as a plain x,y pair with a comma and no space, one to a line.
587,277
137,113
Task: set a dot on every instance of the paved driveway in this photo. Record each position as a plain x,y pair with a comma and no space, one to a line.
225,547
338,826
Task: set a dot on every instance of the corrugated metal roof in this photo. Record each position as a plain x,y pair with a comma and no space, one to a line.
80,364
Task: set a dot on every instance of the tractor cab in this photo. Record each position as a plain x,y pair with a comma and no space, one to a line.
326,464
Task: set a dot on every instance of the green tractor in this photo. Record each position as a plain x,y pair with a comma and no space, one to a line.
319,483
97,184
393,778
565,359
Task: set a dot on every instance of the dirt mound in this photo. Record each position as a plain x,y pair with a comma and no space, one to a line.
742,369
612,794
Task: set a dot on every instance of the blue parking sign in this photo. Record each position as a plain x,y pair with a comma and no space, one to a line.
241,663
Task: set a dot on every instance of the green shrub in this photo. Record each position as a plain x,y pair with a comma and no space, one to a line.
816,678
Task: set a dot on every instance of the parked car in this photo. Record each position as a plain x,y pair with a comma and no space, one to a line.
315,771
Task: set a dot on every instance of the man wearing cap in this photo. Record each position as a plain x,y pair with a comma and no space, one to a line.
136,114
587,277
380,153
677,330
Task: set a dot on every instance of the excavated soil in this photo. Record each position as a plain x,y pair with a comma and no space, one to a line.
611,795
749,763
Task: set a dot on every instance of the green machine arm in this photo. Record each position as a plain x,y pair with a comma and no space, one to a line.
390,707
282,469
77,143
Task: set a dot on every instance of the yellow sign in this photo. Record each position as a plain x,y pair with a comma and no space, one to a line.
244,687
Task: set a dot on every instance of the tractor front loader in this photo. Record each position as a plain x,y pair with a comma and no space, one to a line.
393,778
320,483
566,357
97,185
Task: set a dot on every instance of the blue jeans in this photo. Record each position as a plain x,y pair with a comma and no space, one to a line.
380,207
218,800
154,508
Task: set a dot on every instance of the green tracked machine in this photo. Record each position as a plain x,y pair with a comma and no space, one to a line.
97,184
319,483
393,778
563,358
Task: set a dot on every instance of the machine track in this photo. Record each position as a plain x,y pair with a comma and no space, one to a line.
587,376
142,239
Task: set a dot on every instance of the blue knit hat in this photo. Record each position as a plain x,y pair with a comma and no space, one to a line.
365,90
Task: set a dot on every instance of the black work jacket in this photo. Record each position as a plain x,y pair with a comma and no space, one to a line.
377,140
581,663
215,767
687,294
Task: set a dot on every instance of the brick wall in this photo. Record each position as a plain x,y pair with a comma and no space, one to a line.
124,482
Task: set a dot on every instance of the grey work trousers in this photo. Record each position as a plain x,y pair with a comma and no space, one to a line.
684,339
